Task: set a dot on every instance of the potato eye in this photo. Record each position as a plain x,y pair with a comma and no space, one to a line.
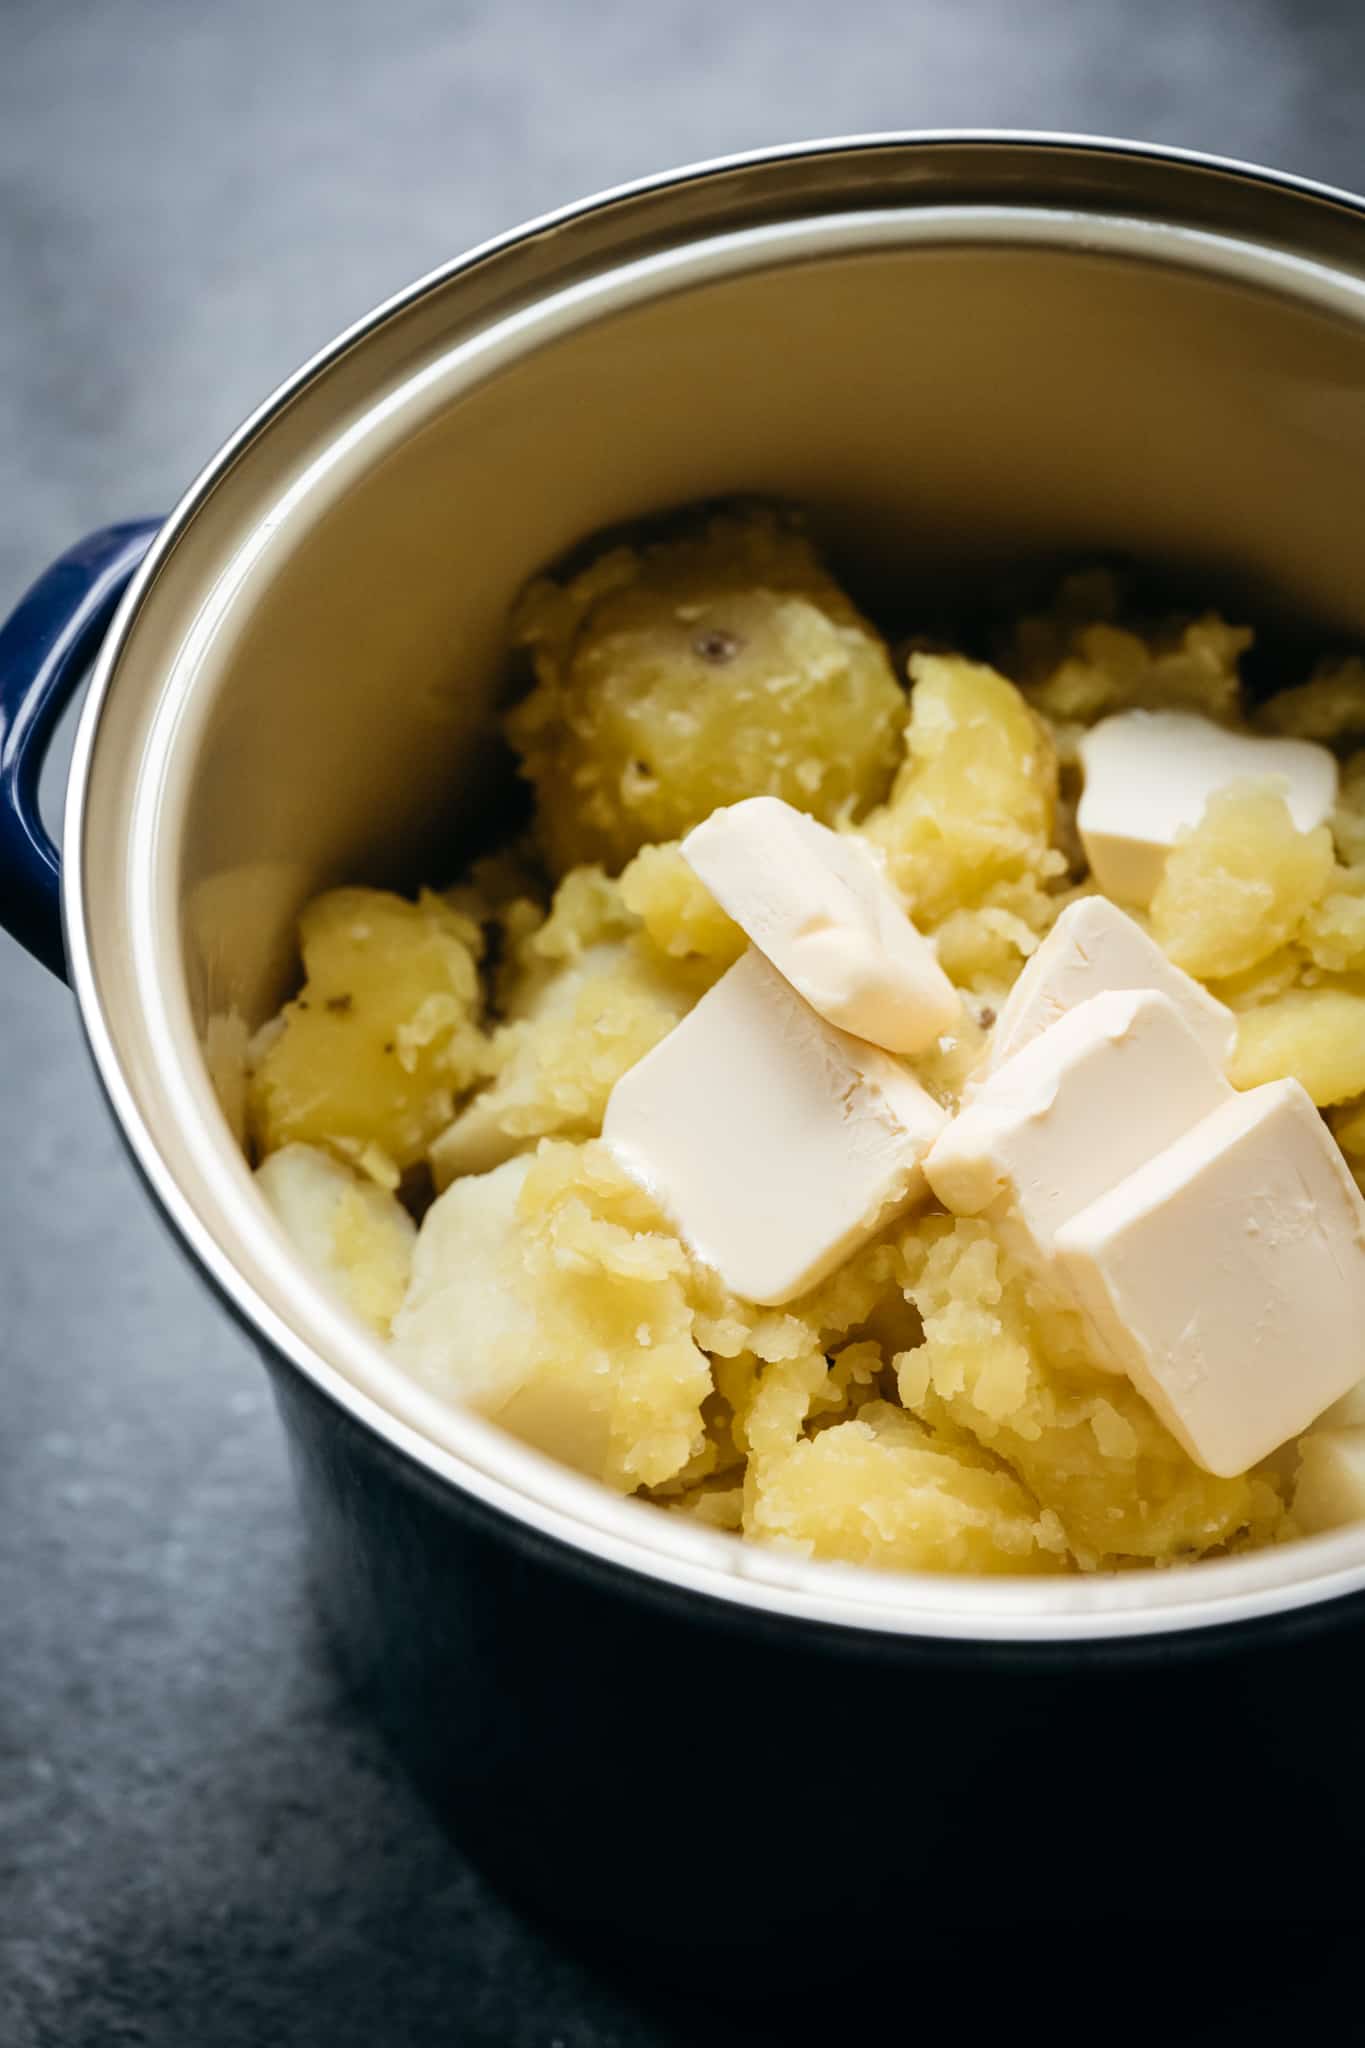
717,646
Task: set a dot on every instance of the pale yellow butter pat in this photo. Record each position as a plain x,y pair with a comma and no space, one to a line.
1096,949
1150,774
1091,1098
1227,1277
818,904
774,1143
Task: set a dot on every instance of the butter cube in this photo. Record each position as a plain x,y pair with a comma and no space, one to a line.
1149,776
1227,1277
821,909
774,1143
1330,1490
1095,948
1090,1099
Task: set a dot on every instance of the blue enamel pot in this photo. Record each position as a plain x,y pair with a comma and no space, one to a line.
962,351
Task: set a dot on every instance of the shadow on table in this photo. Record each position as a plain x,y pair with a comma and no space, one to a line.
457,1967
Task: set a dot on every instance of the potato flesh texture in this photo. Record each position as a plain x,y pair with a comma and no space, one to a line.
381,1038
966,831
1330,706
1317,1035
691,674
1079,660
1348,824
556,1071
545,1295
1329,1488
355,1236
1240,885
878,1490
587,995
1108,668
999,1367
679,914
1266,914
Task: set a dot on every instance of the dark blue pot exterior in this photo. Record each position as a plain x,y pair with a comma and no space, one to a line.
665,1774
46,645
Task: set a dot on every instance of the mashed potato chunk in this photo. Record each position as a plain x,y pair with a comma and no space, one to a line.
546,1294
1079,661
586,993
1329,706
371,1055
353,1234
1315,1034
879,1489
967,831
1240,885
692,672
1013,1377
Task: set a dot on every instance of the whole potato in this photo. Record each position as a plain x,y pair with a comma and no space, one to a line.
693,672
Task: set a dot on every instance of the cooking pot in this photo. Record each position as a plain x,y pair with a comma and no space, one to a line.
966,353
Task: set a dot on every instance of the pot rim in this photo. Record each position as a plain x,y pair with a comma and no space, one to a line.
543,1496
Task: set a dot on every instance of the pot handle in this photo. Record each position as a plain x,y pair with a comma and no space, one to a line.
46,646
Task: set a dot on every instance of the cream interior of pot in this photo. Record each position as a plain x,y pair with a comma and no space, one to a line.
309,689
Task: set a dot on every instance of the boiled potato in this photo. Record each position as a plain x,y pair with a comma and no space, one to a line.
356,1237
1329,706
556,1069
1079,661
1239,885
1316,1035
586,994
371,1055
967,829
1329,1491
1348,822
1333,932
1015,1378
679,914
545,1294
693,672
879,1489
467,1327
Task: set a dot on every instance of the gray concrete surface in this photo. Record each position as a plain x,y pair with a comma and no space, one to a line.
200,1844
